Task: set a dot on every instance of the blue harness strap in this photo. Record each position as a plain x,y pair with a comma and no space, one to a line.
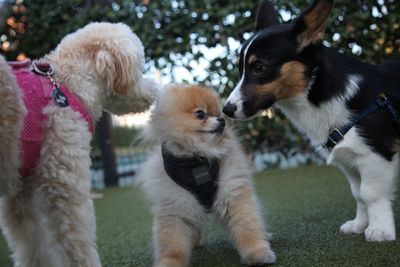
381,101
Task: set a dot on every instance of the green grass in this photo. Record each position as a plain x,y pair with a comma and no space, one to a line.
304,208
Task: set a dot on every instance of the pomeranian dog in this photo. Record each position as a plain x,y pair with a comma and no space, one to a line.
197,167
47,215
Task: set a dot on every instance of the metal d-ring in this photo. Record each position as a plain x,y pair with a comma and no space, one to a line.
49,72
57,95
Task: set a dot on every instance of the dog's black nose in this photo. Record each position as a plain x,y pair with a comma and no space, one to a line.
229,109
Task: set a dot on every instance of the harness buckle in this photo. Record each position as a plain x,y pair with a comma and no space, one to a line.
382,100
335,136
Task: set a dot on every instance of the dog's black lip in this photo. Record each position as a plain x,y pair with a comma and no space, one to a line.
267,101
252,106
219,130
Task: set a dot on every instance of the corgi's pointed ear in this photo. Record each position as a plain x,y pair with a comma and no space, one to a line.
310,25
266,15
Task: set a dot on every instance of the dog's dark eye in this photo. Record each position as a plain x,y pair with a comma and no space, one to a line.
200,114
259,68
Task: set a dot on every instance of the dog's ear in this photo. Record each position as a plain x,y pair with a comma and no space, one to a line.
115,67
266,15
310,25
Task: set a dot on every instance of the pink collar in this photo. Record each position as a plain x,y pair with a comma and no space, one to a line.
37,91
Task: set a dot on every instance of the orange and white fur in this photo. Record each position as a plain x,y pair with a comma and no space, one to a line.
178,215
48,219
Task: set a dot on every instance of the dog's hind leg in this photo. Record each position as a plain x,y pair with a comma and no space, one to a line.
360,222
12,111
64,191
377,192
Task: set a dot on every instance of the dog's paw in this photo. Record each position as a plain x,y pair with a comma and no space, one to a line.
260,257
353,227
169,263
377,234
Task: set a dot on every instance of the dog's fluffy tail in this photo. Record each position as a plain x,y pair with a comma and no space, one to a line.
12,112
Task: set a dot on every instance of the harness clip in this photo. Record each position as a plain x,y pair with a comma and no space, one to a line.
44,69
335,136
382,100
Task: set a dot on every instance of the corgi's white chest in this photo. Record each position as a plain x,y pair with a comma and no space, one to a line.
317,121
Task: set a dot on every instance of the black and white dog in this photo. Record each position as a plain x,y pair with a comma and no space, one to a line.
347,108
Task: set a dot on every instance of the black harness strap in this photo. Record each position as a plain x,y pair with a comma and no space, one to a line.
198,175
380,102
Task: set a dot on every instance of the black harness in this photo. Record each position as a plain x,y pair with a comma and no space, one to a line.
198,175
381,101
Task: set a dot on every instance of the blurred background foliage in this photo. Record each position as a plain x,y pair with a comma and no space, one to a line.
123,137
180,33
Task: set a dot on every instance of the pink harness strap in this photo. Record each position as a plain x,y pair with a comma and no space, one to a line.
37,91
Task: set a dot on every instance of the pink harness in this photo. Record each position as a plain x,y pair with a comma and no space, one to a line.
37,91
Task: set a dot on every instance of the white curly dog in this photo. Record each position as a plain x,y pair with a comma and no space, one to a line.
48,217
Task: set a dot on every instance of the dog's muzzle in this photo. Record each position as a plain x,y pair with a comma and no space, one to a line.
221,125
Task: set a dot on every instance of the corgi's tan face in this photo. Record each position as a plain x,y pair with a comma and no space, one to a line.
189,112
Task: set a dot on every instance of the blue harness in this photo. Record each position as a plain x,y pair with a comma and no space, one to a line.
381,101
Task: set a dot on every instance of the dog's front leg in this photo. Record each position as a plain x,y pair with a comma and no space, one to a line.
244,222
377,192
63,191
360,222
173,240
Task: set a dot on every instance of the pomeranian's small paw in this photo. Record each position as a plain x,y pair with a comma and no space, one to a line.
169,264
261,256
173,260
353,227
379,234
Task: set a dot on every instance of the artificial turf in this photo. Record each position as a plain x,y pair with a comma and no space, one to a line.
304,208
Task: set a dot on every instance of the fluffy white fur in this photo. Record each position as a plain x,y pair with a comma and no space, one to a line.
48,219
178,216
317,122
